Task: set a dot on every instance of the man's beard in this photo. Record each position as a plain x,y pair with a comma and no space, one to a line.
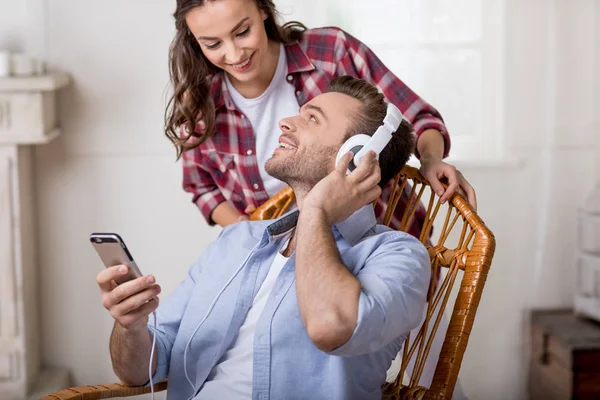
302,171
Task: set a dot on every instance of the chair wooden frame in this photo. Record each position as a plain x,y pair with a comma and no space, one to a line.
472,255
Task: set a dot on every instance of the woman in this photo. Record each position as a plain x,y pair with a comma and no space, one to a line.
236,73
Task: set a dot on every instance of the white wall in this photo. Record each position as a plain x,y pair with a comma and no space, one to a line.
113,170
13,23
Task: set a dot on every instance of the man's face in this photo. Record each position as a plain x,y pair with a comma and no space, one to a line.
309,142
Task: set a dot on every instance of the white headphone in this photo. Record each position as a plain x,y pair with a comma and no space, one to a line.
360,144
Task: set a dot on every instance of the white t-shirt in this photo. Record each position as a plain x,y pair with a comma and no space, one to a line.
264,113
231,378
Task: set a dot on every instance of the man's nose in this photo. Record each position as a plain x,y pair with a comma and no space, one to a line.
287,125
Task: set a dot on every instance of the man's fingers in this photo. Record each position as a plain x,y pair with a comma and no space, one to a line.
131,318
372,179
250,209
373,194
369,157
365,168
344,162
134,302
131,288
105,277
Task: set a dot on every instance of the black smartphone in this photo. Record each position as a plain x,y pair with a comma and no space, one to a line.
112,251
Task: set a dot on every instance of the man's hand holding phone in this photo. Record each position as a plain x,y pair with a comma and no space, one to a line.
129,297
131,302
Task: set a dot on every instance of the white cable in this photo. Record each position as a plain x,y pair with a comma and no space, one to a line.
152,355
212,305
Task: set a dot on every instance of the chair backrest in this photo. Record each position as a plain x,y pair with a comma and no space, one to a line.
463,246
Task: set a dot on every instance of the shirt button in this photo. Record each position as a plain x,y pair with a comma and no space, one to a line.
249,152
298,93
243,116
289,78
255,186
223,169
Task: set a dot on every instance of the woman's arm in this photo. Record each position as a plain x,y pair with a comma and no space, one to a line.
224,214
430,145
206,194
433,141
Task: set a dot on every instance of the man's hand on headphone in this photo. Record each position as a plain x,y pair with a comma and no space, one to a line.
339,195
435,170
131,302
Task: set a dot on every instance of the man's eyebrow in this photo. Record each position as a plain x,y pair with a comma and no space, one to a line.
235,28
317,109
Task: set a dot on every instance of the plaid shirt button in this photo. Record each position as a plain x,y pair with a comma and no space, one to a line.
249,152
255,186
289,78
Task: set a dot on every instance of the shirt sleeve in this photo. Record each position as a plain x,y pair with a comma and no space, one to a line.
394,283
199,182
170,313
357,59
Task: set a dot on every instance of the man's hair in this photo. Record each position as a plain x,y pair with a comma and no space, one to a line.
370,117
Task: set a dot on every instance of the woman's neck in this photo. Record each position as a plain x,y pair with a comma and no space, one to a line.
256,87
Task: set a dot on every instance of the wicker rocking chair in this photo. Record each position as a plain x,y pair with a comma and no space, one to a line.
464,246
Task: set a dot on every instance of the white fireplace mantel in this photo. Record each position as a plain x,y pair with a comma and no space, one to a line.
28,118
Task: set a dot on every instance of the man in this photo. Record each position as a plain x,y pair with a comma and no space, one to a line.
313,305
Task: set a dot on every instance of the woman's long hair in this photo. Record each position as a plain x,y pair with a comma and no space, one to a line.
191,75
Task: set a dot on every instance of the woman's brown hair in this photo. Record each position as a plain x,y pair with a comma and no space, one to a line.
191,75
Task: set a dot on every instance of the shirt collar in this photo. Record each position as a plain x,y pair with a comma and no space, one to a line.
352,229
297,61
220,93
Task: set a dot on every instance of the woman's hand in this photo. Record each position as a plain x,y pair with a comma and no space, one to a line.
249,210
434,170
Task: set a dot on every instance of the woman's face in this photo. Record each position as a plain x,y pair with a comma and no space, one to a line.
232,36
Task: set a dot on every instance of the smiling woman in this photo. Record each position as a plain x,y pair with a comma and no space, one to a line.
244,52
236,73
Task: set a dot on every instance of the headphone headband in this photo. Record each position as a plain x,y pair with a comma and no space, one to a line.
383,134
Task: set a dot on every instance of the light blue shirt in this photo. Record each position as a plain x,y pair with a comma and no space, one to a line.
393,269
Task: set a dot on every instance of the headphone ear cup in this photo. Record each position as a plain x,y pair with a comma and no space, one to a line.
354,144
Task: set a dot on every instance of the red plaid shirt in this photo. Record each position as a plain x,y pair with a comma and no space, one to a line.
225,167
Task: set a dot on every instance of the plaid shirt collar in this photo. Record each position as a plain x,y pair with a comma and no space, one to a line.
297,61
